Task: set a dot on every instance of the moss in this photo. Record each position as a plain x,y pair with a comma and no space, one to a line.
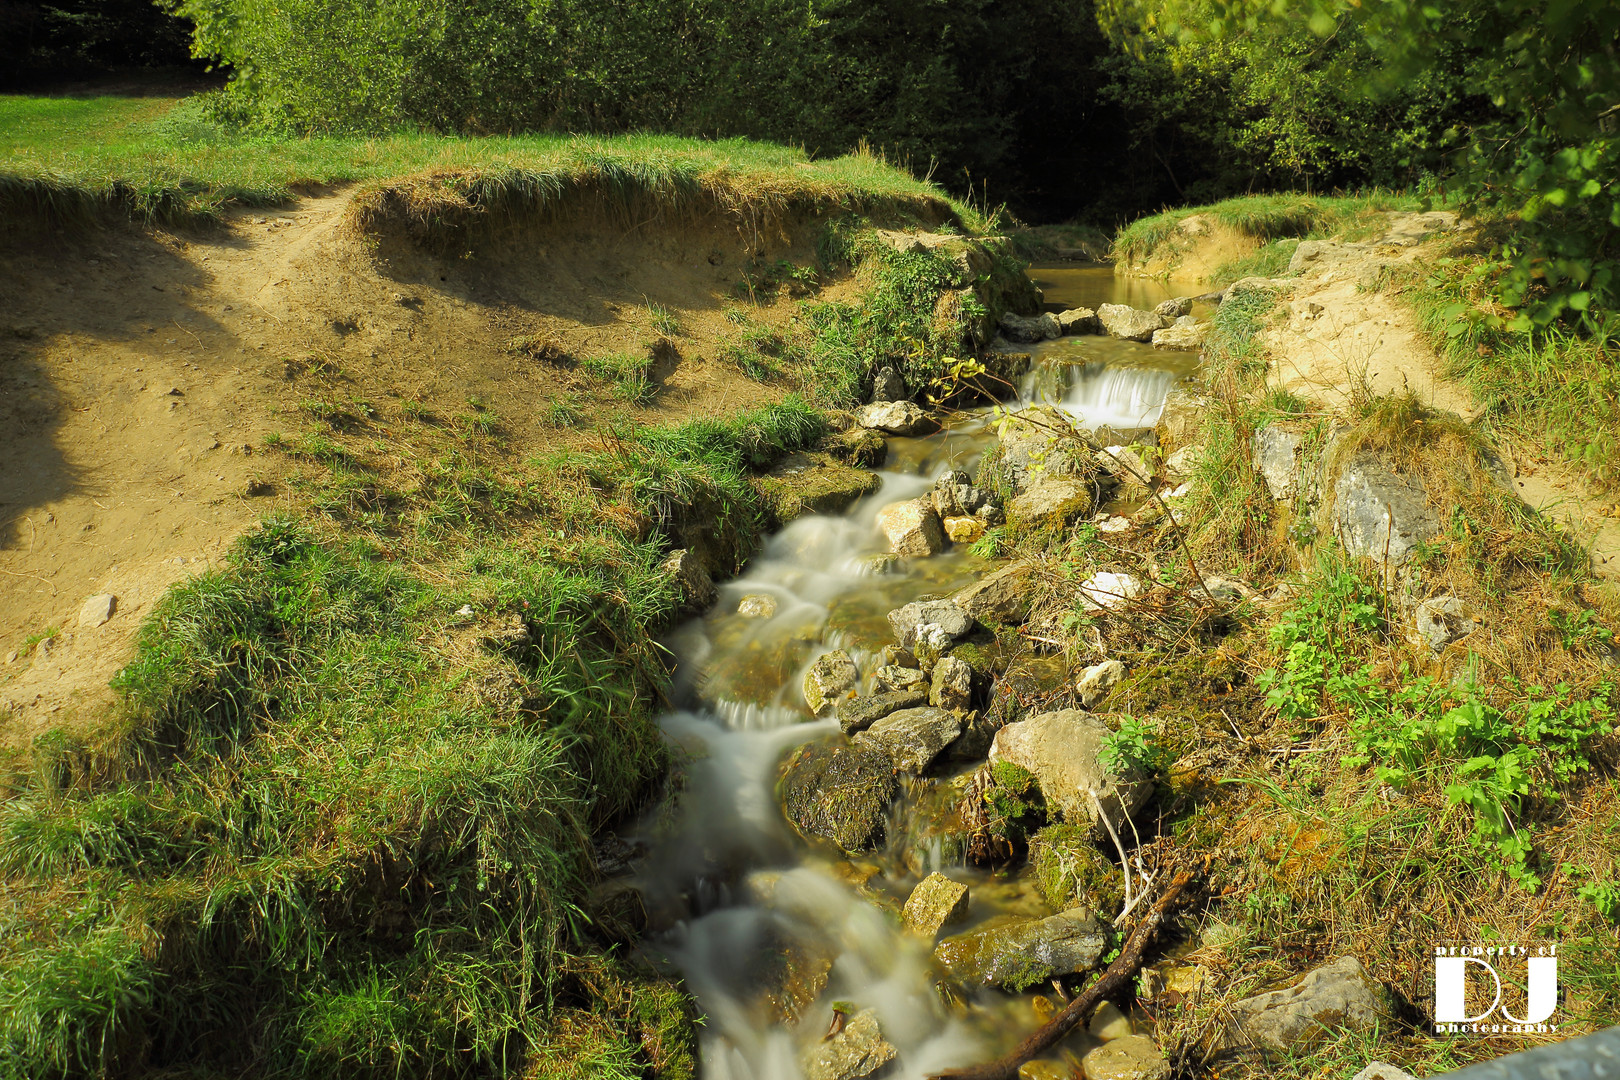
1071,871
857,446
811,483
839,791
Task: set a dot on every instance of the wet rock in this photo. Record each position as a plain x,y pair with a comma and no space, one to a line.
1382,1070
1183,980
1096,681
900,656
894,417
1045,1068
1050,504
1039,444
1018,953
1072,872
858,714
912,738
963,530
875,565
1131,324
1176,308
1181,419
888,385
1002,597
955,496
1108,1023
1002,369
812,484
913,528
892,677
96,610
859,1050
952,685
840,792
935,623
791,970
1133,1057
692,577
1379,515
978,730
1027,329
757,606
830,680
1078,321
1061,749
1181,464
1338,996
1276,459
1107,589
1441,620
1186,334
934,904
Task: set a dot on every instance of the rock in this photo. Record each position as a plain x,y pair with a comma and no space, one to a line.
900,656
955,496
692,577
1003,597
1027,329
11,657
1131,324
96,610
812,484
913,528
931,622
963,530
1181,419
757,606
990,515
1096,681
1276,459
1176,308
1126,465
1018,953
952,687
1045,1068
1382,1070
934,904
859,1050
1134,1057
888,385
840,792
829,681
1186,333
912,738
1256,286
1072,872
1441,620
1223,589
892,677
876,565
1078,321
1050,504
1108,1023
1106,589
1109,435
858,446
1181,464
1379,515
1338,996
858,714
1060,749
1184,980
894,417
1037,444
1112,523
256,488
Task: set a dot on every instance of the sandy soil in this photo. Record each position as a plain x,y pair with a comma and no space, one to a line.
140,372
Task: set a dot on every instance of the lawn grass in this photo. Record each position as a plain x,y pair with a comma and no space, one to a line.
163,160
1266,218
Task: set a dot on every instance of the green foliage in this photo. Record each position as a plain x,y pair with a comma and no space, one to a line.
1134,747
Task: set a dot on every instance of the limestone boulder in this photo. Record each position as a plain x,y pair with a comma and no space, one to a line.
1016,953
1096,681
1176,308
893,678
912,738
830,679
888,385
1130,324
1040,444
1051,504
1186,334
1276,455
913,528
1028,329
1001,597
895,417
1440,620
1078,321
1132,1057
936,902
691,576
1061,749
1126,464
97,610
1380,515
1339,996
930,622
1184,462
952,685
963,530
1108,589
858,714
1181,419
859,1050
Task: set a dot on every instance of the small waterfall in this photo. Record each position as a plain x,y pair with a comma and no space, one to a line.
1120,397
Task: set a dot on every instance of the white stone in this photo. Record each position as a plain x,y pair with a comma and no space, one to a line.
1106,589
97,609
1096,681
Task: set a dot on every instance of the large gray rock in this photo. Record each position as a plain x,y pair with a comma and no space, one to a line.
1027,329
858,1051
897,678
1078,321
888,385
1131,324
1061,749
894,417
1338,996
840,792
1018,953
934,904
1040,443
1130,1057
1002,597
1181,419
1379,515
1175,308
1186,333
829,680
955,496
932,622
1276,459
1051,504
913,738
858,714
913,528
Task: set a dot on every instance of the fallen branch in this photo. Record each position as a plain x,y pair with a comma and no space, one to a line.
1116,978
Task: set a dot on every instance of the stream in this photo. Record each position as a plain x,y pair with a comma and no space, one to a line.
754,913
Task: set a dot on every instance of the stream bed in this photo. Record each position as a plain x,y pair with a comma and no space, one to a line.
771,933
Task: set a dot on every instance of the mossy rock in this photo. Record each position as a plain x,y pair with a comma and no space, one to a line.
838,791
857,446
1071,871
1027,687
812,484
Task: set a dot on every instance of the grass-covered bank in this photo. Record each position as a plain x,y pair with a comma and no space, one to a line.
160,160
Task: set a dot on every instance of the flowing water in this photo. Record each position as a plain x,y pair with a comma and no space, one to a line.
770,931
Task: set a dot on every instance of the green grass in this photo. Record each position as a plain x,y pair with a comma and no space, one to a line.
1265,217
163,160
